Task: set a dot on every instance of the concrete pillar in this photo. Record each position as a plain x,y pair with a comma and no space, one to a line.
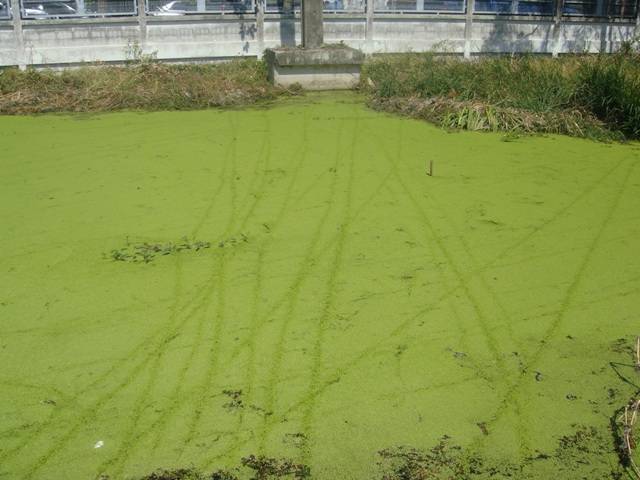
557,25
142,22
369,27
260,6
468,28
16,18
312,28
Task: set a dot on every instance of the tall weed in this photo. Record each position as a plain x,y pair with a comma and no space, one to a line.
609,86
528,93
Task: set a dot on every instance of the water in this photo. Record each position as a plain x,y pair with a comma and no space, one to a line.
351,308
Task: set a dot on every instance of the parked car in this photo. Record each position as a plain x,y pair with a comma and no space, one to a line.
172,8
49,9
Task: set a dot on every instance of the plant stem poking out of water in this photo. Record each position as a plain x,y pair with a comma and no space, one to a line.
629,418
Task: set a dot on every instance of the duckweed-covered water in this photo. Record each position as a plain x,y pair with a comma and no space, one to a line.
343,309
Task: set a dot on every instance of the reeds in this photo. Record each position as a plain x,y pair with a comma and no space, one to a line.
627,420
525,93
609,86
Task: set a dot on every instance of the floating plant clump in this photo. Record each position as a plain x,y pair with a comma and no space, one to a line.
146,252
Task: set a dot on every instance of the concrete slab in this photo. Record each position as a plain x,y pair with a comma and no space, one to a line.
325,68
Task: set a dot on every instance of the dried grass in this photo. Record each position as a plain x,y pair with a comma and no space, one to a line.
481,116
150,86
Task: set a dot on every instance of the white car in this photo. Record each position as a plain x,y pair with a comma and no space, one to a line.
48,9
29,12
172,8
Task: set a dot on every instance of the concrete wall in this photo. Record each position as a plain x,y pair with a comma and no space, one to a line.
399,34
58,42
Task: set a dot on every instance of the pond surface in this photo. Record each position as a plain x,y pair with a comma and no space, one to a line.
191,288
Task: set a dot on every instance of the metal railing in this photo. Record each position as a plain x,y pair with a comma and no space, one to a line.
189,7
55,9
5,11
516,7
282,6
344,6
419,6
622,9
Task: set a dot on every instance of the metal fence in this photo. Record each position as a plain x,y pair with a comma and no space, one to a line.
598,8
5,12
516,7
188,7
53,9
282,6
582,8
109,8
419,6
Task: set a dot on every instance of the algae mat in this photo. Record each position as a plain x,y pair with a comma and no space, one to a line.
337,306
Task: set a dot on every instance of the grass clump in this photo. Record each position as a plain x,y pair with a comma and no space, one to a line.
139,85
609,86
527,94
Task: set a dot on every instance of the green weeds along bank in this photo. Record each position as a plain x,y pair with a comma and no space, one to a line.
585,96
595,97
346,315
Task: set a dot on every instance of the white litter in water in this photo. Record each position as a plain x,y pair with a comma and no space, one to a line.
99,444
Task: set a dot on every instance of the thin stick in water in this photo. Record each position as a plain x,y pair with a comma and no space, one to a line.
628,420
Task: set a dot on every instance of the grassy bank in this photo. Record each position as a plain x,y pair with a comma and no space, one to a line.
141,85
583,96
596,97
587,96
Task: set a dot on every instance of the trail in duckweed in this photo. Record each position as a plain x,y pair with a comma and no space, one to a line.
343,308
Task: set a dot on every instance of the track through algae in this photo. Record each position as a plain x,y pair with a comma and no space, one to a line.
351,312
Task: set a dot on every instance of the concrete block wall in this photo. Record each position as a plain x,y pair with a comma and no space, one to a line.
497,36
444,33
594,36
213,38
